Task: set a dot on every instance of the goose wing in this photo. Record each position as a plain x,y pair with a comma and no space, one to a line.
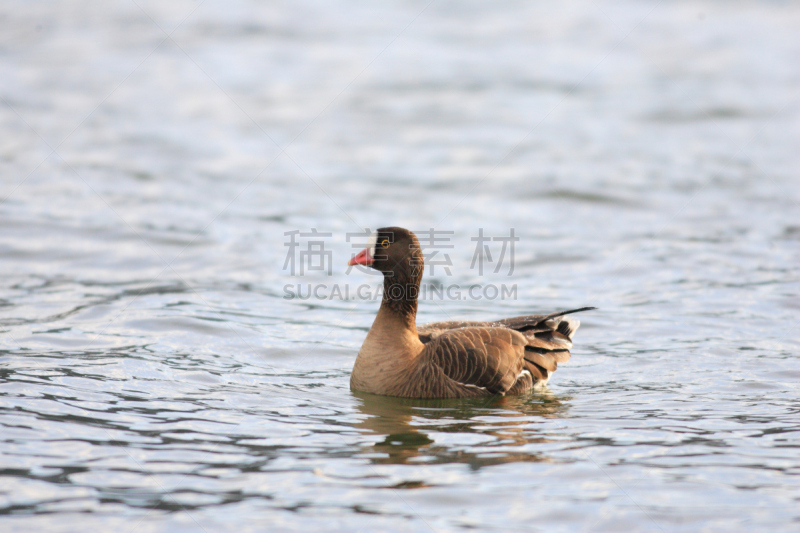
548,337
483,360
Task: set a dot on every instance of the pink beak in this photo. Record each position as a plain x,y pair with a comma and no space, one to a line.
362,258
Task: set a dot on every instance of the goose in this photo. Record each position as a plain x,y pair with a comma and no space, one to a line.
452,359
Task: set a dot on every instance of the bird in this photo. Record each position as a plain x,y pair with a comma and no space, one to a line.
451,359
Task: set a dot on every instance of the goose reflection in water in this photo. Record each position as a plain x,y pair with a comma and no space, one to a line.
505,428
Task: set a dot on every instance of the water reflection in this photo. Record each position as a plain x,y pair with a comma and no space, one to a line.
472,431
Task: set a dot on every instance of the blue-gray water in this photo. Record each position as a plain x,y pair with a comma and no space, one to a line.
154,378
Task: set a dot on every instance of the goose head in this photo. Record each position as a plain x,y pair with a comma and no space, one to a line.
391,251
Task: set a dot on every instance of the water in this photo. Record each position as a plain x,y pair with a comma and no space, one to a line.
154,377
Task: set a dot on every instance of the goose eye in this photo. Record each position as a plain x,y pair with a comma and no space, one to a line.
385,243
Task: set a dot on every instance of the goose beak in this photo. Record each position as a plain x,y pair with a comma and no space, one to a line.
363,258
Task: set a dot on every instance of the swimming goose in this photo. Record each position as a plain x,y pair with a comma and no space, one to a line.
454,359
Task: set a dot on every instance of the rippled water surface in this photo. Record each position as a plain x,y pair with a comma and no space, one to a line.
154,377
